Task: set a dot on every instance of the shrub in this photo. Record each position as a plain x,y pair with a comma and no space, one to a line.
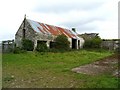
27,45
96,42
93,42
42,47
88,43
54,50
18,50
62,43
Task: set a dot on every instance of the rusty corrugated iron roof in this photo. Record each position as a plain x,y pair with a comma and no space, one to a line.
52,30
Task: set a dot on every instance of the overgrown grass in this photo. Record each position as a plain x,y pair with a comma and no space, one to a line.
53,70
0,68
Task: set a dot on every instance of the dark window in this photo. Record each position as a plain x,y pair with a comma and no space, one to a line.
40,42
24,33
52,44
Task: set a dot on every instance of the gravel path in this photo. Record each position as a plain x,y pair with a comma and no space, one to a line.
106,65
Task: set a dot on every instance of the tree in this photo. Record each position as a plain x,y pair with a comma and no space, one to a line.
61,42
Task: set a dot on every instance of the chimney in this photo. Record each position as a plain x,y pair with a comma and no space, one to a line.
73,29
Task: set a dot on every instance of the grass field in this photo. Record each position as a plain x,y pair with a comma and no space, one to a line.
53,70
0,68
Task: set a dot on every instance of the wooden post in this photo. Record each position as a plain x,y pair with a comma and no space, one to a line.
24,26
2,46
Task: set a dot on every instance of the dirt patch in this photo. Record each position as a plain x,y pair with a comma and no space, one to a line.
106,65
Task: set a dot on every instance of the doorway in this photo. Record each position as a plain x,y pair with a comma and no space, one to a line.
74,43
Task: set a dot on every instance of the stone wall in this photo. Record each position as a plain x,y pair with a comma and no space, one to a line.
29,34
110,44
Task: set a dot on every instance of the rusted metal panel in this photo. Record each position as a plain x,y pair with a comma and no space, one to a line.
53,30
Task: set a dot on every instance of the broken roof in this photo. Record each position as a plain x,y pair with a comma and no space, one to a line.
52,30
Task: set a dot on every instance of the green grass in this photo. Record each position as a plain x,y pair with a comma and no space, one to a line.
0,68
53,70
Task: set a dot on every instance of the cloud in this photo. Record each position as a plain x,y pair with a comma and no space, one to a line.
81,22
62,6
99,16
11,15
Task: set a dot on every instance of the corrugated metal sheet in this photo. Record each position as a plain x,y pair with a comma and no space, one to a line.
50,29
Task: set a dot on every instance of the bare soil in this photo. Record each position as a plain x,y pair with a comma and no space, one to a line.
107,65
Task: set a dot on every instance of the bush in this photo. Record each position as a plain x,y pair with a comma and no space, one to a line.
54,50
27,45
87,44
62,43
18,50
42,47
96,42
93,43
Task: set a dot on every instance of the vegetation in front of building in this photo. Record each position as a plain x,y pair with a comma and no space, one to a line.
62,43
93,42
18,50
42,47
27,45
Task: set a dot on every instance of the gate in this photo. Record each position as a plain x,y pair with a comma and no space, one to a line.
8,46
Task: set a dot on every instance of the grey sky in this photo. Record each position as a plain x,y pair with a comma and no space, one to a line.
99,16
62,6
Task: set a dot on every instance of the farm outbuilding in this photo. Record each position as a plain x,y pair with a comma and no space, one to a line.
40,32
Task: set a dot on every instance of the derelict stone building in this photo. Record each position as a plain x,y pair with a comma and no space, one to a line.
40,32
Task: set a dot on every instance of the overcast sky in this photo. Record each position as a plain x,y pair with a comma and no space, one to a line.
87,16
